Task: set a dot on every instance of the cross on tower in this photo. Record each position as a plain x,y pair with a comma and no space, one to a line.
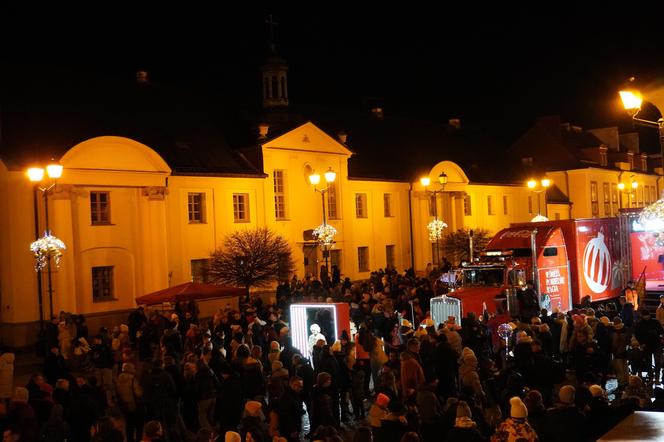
271,25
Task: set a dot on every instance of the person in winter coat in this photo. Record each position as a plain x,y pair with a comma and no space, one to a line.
55,366
21,414
468,376
464,428
253,423
6,375
290,410
648,331
536,411
444,359
357,389
411,374
129,396
395,424
515,428
378,411
620,339
206,391
636,389
430,411
278,382
55,429
229,399
564,419
323,403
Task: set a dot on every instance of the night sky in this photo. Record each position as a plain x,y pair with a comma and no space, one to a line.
496,68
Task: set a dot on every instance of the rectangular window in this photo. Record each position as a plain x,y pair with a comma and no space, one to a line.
653,194
432,205
467,207
606,190
241,207
387,205
614,199
363,259
196,207
530,204
335,258
279,195
100,208
361,205
489,205
644,163
639,191
389,255
332,212
630,158
199,270
102,283
603,159
505,209
594,199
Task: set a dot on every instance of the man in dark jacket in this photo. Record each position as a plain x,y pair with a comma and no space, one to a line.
445,363
648,331
290,410
102,358
230,401
564,420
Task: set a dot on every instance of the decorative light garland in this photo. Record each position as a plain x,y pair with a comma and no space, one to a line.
324,234
48,246
436,228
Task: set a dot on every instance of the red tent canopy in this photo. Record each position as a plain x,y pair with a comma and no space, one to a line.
189,291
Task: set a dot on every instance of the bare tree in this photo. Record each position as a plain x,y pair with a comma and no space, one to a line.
457,244
251,258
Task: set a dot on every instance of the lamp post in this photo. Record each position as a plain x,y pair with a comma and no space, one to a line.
325,233
436,226
36,176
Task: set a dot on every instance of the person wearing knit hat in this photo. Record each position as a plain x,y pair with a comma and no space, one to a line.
465,428
378,411
516,427
636,389
605,321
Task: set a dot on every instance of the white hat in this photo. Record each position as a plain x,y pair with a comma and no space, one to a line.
315,328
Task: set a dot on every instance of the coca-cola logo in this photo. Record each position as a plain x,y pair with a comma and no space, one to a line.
597,264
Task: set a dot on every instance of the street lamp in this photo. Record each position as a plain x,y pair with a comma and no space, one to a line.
539,186
48,246
436,226
324,233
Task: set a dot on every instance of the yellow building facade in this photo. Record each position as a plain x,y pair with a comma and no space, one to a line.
132,226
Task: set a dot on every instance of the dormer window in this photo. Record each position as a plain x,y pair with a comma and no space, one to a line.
527,162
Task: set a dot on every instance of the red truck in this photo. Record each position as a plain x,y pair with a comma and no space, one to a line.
568,260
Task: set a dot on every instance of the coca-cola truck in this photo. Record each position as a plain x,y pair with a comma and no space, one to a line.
567,260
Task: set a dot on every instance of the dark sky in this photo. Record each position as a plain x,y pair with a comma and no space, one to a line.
496,67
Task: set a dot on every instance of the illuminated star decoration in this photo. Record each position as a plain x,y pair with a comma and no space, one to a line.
436,228
48,246
324,234
652,220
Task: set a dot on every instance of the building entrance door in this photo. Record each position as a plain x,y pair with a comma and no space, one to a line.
310,259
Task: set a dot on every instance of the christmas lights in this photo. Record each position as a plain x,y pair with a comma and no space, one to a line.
324,234
48,246
436,228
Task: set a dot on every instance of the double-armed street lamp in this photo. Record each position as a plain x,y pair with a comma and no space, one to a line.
540,186
47,246
436,226
324,233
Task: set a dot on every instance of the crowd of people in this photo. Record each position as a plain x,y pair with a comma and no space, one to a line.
395,374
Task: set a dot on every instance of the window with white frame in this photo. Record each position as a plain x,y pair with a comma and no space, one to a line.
360,205
100,208
594,199
467,205
279,194
332,211
196,207
102,283
241,207
387,205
